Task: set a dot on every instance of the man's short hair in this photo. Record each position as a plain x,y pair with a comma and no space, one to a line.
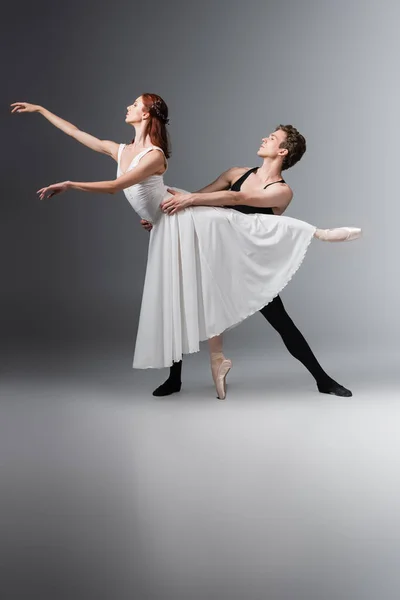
295,144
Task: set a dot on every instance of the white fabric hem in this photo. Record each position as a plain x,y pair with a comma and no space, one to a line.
242,317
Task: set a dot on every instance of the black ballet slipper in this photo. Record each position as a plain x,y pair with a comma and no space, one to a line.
168,387
334,388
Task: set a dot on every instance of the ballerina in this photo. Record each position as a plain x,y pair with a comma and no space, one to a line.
208,268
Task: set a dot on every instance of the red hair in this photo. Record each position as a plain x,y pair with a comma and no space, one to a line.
157,121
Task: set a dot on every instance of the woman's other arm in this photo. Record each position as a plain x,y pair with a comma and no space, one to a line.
153,163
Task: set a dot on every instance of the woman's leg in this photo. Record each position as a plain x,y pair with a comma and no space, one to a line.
338,234
220,366
215,345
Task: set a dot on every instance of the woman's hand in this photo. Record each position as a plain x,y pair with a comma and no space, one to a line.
146,225
52,190
25,107
178,202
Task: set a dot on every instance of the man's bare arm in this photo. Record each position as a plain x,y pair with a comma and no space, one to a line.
223,182
277,197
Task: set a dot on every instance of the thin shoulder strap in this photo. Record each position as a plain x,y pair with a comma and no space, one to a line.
120,148
280,181
243,177
146,150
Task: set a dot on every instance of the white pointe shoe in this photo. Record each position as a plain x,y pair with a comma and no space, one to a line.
220,368
339,234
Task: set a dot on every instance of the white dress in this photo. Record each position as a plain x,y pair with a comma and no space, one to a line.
208,269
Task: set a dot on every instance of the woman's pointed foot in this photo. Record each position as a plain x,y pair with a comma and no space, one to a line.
220,367
339,234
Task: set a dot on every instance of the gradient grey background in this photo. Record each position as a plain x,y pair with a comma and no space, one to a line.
279,493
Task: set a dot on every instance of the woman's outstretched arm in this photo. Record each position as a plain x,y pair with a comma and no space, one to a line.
104,146
151,164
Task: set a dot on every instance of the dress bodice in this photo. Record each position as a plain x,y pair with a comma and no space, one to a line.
146,196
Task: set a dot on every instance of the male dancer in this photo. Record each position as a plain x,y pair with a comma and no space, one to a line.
281,150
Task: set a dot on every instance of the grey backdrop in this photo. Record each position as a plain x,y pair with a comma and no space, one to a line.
230,72
278,493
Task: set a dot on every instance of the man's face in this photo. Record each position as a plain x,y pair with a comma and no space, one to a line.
270,145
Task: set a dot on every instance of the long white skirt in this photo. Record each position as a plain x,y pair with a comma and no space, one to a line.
208,269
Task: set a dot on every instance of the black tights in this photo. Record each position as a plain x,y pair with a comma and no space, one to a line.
294,341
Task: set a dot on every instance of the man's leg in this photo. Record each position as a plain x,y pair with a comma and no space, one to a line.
173,383
294,341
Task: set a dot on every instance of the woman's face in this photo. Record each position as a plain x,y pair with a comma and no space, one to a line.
135,112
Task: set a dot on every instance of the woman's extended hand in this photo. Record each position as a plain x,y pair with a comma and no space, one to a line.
52,190
24,107
178,202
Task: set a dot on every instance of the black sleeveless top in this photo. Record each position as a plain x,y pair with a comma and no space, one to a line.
267,210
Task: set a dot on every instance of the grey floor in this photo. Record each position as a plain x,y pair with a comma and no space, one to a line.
277,493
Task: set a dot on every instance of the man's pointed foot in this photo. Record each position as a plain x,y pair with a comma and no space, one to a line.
334,388
167,388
